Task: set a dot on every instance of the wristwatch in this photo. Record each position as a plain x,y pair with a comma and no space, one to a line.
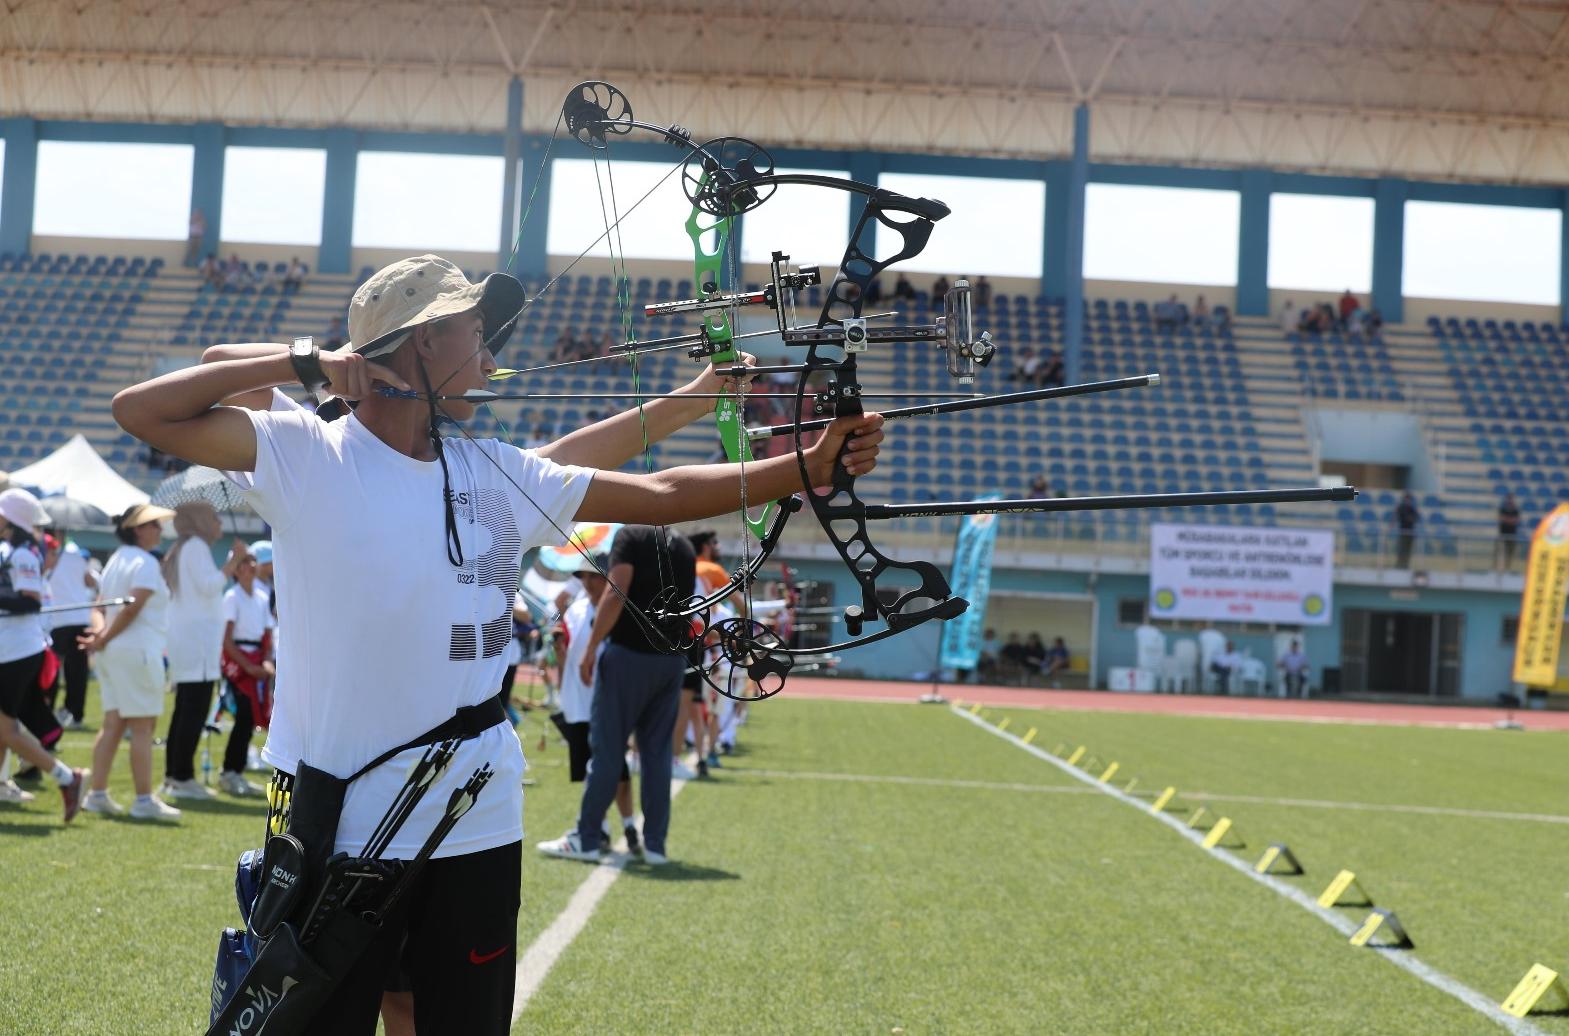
306,360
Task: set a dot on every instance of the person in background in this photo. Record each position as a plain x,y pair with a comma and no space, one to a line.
211,271
1056,660
638,689
335,335
1406,519
1168,314
1293,666
577,698
22,645
1040,489
1508,531
1224,665
130,649
983,293
1201,312
71,581
1349,304
293,276
939,288
248,669
1052,374
1034,654
902,288
1289,318
986,665
195,639
196,233
696,711
1012,656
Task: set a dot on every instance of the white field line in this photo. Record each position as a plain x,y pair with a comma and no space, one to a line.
535,963
1402,959
1075,789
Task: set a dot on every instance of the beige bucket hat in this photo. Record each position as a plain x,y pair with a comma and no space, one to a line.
141,514
422,288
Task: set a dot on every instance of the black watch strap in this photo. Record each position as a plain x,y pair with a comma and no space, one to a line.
307,367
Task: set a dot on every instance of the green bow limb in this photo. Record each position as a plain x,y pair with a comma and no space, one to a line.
729,412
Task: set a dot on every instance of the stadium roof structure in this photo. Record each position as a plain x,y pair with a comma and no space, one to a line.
1433,89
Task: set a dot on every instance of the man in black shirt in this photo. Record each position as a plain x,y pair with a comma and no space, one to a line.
1406,518
638,689
1508,531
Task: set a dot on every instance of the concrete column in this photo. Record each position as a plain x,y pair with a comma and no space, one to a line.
1253,245
511,177
207,181
531,261
16,189
1389,247
337,208
1054,257
1073,253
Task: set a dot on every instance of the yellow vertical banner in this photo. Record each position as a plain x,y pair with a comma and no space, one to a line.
1542,604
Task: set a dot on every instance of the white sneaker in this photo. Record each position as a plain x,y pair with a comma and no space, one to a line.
253,759
654,859
680,771
153,808
100,802
10,791
64,717
191,789
236,784
567,848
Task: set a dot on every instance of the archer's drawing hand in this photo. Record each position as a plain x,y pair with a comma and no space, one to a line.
352,376
863,432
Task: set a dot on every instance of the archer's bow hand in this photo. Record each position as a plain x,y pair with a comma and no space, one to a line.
863,433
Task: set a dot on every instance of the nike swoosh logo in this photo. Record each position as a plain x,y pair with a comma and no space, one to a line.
475,957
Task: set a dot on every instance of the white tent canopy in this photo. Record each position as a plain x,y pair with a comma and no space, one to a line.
77,471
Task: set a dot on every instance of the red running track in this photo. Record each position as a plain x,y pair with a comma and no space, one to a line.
1303,710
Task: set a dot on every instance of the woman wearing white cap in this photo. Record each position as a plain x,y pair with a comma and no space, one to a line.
422,536
22,641
130,647
196,587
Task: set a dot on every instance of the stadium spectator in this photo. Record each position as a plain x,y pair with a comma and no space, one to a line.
1034,654
983,293
1026,365
874,292
637,689
1289,316
1168,314
1293,666
71,581
195,235
1348,305
335,335
986,665
247,669
195,639
130,648
1225,665
22,645
211,271
293,276
1406,519
1040,489
1056,660
1201,312
1012,656
576,698
940,288
903,289
1508,531
1373,323
1051,373
236,274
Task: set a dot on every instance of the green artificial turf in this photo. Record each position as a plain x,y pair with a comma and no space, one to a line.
865,868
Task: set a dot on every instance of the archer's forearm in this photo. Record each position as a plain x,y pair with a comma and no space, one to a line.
688,493
615,440
186,394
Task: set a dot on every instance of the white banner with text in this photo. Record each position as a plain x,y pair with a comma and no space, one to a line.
1241,574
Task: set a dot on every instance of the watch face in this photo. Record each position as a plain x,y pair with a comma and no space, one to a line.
301,347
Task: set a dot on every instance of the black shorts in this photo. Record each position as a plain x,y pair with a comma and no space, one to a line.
696,655
457,939
18,679
578,750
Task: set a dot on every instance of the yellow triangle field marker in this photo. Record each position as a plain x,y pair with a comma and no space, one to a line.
1163,800
1029,735
1382,921
1221,832
1061,748
1278,854
975,708
1078,753
1111,771
1532,993
1004,724
1199,819
958,703
1133,782
1336,893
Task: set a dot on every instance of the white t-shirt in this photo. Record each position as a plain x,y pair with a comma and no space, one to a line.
21,569
196,615
383,638
250,612
132,568
577,699
68,585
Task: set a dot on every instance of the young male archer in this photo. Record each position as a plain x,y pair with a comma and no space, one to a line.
373,653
